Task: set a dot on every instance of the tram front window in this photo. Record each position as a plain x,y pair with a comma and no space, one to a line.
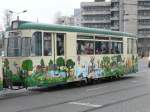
14,45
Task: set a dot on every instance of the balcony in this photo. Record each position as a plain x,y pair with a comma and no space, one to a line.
144,35
95,12
114,9
116,18
86,4
95,21
143,26
143,8
143,17
115,28
114,0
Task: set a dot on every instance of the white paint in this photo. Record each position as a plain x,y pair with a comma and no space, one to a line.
85,104
93,89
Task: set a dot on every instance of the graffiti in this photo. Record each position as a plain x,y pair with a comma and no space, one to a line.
1,84
65,70
113,66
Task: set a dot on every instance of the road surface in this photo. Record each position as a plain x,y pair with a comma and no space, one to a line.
129,94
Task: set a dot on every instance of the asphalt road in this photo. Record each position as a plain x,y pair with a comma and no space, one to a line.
129,94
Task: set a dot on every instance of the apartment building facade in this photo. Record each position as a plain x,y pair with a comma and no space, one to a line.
144,26
96,14
131,16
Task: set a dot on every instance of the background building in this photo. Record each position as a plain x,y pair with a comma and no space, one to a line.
131,16
65,20
77,17
144,26
74,20
96,14
119,15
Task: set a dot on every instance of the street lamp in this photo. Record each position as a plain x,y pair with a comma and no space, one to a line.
18,13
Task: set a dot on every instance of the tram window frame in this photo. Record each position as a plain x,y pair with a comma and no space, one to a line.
116,47
101,45
47,44
60,44
5,46
103,41
36,50
103,48
85,47
26,47
129,46
14,47
134,46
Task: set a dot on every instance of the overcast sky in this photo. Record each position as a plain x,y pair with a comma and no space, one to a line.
44,10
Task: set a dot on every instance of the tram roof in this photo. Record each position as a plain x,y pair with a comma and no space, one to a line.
40,26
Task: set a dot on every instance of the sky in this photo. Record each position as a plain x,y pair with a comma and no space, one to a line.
42,10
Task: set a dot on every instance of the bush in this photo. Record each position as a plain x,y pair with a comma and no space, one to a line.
60,62
50,62
27,65
70,63
42,63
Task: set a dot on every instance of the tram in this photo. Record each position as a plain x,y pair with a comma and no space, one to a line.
43,55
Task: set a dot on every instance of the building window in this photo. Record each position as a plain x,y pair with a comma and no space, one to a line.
47,44
36,41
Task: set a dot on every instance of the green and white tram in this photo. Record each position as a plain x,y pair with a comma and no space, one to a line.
42,55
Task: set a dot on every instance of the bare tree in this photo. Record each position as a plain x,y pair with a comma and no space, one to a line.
7,18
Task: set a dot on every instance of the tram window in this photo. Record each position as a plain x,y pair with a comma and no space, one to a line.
134,46
85,47
36,42
101,47
14,45
26,42
129,47
116,47
47,44
5,46
60,44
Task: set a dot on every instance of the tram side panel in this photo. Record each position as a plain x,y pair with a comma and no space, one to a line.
76,67
1,75
130,55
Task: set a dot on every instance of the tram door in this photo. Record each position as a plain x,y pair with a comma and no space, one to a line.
59,48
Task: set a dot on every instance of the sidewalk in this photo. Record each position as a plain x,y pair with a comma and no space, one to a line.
4,94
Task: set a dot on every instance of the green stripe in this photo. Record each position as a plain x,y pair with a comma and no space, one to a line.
38,26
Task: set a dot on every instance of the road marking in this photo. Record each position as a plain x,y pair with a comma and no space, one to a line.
133,81
92,89
85,104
